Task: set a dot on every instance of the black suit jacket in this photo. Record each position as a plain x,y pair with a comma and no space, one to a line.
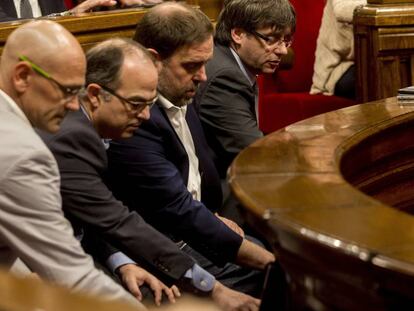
149,172
8,10
89,204
226,103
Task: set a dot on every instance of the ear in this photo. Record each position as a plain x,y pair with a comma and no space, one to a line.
93,92
157,57
238,34
21,77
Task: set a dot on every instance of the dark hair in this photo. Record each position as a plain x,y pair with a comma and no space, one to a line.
252,15
104,61
170,26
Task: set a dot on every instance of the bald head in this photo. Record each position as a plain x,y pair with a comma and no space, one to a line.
49,46
105,60
170,26
46,43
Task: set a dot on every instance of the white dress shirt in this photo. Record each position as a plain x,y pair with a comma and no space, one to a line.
176,115
35,8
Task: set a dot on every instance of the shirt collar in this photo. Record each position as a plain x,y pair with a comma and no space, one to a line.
14,107
251,77
167,105
105,141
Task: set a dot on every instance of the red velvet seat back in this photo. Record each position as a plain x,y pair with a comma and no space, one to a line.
299,78
69,4
284,96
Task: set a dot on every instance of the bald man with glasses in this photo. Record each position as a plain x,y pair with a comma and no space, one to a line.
41,72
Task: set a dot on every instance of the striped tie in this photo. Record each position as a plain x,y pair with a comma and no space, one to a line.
25,9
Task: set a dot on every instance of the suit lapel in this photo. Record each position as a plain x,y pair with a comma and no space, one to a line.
8,8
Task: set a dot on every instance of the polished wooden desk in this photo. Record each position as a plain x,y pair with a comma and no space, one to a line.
31,294
91,28
303,188
17,294
212,8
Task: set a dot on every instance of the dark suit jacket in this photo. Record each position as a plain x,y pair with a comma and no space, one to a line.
226,103
149,172
8,10
88,203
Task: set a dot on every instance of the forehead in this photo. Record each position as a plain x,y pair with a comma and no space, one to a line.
276,31
196,52
138,73
69,70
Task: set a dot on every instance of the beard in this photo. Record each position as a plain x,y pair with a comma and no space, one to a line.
177,97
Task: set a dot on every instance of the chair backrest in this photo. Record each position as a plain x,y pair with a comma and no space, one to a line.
299,78
69,4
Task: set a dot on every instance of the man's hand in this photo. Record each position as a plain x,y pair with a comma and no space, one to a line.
232,225
88,5
231,300
133,277
139,2
253,256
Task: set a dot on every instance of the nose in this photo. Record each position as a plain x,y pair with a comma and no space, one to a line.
281,49
72,104
201,74
144,114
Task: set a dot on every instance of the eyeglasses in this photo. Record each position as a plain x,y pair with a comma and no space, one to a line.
69,92
273,40
136,106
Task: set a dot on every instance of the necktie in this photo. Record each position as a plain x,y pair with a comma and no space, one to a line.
25,9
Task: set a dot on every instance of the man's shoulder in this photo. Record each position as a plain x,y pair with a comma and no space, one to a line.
222,60
75,126
20,143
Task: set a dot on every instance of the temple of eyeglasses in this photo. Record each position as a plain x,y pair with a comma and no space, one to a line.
68,91
136,104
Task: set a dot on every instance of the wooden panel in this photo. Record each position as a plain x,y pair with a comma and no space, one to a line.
389,1
384,49
395,38
211,7
302,186
91,28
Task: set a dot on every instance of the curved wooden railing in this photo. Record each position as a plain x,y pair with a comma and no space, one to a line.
333,195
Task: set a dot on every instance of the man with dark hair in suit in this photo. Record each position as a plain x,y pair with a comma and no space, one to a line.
165,171
121,81
251,37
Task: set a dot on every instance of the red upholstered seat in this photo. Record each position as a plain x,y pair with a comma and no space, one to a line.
284,96
69,4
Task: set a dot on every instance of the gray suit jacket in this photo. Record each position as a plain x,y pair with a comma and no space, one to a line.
32,225
226,103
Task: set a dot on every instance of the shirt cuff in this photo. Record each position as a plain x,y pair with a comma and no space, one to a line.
200,278
117,260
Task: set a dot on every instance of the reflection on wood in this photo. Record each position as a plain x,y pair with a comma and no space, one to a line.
341,248
29,294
